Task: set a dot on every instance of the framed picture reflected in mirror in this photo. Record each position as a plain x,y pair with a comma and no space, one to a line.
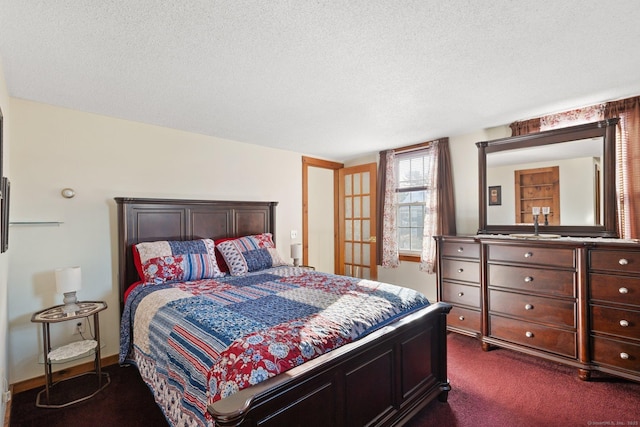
495,195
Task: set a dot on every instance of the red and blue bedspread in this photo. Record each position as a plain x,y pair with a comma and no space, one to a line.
197,342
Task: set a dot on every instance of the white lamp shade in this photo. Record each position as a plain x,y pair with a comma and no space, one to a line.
68,279
296,250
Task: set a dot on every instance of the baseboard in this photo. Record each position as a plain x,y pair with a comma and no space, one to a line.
61,374
7,409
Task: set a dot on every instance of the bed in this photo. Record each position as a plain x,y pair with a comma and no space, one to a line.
383,377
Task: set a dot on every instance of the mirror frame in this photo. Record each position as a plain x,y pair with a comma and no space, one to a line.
605,129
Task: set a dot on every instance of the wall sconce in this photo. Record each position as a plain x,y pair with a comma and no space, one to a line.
296,253
68,193
68,281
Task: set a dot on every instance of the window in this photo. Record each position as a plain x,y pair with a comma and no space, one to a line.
412,170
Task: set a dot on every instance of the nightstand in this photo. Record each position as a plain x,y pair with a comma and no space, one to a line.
66,352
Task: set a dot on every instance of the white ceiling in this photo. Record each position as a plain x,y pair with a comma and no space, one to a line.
333,79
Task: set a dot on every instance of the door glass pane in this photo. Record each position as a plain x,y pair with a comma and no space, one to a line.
366,206
365,183
348,250
347,185
347,270
356,206
366,230
356,183
356,230
348,230
366,254
366,273
356,253
348,207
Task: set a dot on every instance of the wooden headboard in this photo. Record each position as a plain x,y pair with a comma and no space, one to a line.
148,220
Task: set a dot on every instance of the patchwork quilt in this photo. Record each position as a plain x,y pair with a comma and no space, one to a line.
199,341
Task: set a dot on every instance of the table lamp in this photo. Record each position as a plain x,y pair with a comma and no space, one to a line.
68,281
296,253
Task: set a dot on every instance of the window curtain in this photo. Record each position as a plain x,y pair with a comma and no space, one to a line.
440,207
388,254
627,164
525,127
446,201
439,217
575,117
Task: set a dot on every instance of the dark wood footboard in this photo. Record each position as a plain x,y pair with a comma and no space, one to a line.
381,380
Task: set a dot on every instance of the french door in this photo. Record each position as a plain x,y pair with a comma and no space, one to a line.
357,221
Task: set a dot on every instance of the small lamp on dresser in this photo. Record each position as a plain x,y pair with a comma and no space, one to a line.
68,281
296,253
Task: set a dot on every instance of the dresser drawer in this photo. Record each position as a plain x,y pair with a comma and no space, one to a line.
620,261
553,257
619,354
467,271
618,289
464,318
625,323
461,250
531,335
532,308
551,282
455,293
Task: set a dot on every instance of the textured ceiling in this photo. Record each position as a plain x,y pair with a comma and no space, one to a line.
334,79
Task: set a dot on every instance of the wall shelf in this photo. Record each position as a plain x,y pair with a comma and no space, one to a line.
26,223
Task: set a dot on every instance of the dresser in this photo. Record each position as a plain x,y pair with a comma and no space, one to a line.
614,310
573,301
459,285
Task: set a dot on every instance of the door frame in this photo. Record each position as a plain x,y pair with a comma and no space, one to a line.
308,162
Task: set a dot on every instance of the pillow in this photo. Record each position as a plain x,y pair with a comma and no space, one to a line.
222,264
250,253
171,261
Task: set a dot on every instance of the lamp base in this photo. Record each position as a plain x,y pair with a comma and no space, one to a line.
70,301
296,262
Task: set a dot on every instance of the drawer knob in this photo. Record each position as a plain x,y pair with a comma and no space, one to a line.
460,294
461,317
624,323
528,255
623,290
529,334
460,249
528,307
624,356
623,261
460,270
528,279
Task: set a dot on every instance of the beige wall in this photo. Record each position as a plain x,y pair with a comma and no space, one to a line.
102,158
4,368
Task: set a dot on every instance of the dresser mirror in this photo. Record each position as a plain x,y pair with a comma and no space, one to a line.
566,176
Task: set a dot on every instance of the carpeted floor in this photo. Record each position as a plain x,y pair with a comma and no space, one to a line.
495,388
505,388
126,402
